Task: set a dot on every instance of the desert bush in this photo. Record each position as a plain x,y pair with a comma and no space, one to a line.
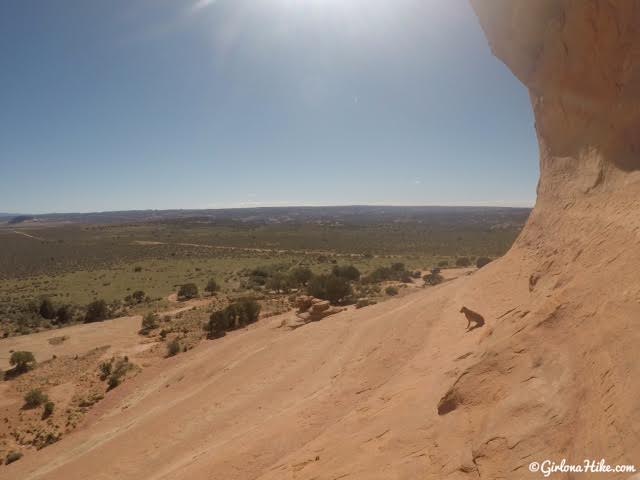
105,370
173,347
443,263
217,325
47,309
97,311
212,286
149,322
330,287
348,272
22,361
391,291
137,269
118,372
34,398
482,261
396,272
433,278
463,262
138,296
240,313
48,409
12,457
301,275
188,291
64,314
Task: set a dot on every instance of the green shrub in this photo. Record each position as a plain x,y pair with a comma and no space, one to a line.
34,398
188,291
240,313
482,261
391,291
97,311
12,457
138,296
22,361
397,273
173,347
463,262
46,309
212,286
443,263
330,287
48,409
217,325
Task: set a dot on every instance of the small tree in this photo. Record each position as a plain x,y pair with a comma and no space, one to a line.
217,325
22,361
34,398
188,291
97,311
46,309
212,286
482,261
330,287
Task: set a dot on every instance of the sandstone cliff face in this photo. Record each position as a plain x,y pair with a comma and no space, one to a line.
580,60
576,329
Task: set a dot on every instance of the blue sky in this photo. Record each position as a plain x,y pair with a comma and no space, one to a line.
136,104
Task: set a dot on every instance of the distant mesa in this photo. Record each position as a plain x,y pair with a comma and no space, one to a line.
20,219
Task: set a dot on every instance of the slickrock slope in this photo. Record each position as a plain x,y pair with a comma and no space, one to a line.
554,373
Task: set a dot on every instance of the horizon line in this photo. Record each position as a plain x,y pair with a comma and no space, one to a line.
249,206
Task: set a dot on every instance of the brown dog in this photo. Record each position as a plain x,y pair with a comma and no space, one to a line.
472,317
